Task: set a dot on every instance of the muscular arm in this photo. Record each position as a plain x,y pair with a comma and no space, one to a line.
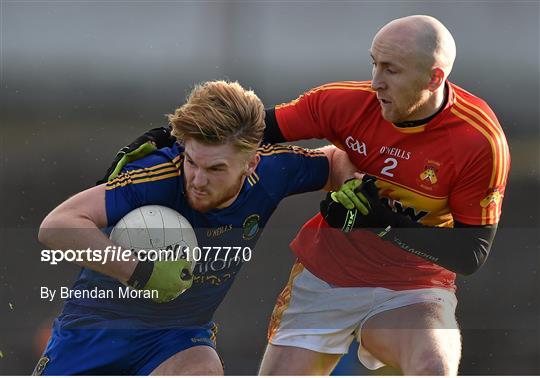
341,168
76,223
462,249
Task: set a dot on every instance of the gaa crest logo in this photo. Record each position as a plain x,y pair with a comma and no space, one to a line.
429,175
428,178
250,227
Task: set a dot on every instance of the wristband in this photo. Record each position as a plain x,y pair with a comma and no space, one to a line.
141,274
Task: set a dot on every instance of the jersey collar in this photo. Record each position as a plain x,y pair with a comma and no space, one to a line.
431,121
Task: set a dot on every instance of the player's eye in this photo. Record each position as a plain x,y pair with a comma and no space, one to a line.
190,162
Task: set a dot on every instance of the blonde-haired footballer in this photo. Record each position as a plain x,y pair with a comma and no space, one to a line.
217,176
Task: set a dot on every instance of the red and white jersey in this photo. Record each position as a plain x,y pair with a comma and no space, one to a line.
452,168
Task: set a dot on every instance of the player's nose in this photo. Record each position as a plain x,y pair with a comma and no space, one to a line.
199,179
377,83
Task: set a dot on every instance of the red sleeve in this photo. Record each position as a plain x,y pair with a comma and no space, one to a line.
477,195
322,112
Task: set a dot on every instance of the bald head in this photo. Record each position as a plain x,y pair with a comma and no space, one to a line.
425,37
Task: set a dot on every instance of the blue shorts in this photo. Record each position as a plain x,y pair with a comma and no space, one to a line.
90,346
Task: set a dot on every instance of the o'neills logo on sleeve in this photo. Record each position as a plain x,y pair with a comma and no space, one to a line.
492,199
42,363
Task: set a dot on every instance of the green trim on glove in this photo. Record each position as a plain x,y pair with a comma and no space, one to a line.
143,150
350,220
170,279
350,197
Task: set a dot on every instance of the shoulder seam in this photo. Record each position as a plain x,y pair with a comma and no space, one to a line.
274,149
362,86
153,173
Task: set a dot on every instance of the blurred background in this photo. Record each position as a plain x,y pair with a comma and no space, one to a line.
80,79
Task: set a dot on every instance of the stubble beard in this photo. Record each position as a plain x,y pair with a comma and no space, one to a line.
212,200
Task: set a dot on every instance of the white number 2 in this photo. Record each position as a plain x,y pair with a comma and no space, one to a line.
392,163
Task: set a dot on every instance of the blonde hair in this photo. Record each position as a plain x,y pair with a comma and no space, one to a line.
218,112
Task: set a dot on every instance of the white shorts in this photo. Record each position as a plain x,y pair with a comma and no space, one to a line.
315,315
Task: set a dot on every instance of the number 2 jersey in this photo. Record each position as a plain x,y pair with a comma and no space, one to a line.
452,168
158,180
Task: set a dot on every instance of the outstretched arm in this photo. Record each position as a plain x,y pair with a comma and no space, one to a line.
462,249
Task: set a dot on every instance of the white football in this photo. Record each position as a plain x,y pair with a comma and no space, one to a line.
155,228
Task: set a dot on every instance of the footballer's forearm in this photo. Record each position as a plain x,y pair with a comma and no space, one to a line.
75,224
462,249
82,235
341,168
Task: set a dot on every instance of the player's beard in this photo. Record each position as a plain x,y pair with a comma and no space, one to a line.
411,107
213,199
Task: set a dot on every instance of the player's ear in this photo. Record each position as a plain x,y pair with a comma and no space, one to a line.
252,163
436,79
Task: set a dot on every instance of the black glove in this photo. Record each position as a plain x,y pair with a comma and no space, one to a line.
151,140
371,212
168,278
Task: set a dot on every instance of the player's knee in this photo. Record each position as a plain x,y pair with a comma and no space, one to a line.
198,360
217,370
213,370
204,369
432,363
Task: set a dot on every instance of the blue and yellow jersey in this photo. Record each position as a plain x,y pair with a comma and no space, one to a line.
157,180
